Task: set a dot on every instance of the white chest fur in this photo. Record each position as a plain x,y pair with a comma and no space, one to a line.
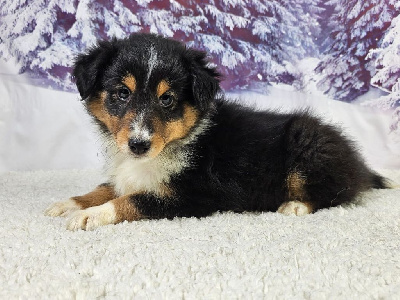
130,175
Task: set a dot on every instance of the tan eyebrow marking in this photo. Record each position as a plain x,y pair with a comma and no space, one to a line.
162,87
130,82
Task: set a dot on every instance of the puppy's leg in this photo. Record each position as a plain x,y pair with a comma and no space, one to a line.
297,203
297,208
112,212
325,169
98,196
136,207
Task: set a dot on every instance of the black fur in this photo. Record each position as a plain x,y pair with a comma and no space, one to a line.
243,160
242,164
89,66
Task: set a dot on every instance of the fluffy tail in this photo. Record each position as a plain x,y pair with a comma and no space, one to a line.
379,182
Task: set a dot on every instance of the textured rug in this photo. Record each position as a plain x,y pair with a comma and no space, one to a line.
350,252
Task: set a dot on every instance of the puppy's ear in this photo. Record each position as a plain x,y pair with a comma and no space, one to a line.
89,66
205,79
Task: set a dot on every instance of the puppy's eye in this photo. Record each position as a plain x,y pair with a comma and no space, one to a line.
166,100
123,93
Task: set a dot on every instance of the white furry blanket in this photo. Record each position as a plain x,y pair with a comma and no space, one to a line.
350,252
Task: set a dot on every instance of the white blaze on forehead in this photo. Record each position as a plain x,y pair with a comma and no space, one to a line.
139,129
152,63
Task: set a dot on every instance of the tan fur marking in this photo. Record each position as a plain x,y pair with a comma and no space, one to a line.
119,127
297,208
96,107
125,209
172,131
98,196
178,129
162,87
130,82
164,191
295,185
158,140
122,135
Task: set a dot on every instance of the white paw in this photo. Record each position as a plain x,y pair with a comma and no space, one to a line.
92,217
294,208
62,208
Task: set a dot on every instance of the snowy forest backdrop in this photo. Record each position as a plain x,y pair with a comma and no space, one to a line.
348,46
254,42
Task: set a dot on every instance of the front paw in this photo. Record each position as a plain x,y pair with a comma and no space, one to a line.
62,208
295,208
92,217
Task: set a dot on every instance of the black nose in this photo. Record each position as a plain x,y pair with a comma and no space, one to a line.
138,146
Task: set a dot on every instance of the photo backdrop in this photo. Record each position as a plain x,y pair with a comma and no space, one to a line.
339,57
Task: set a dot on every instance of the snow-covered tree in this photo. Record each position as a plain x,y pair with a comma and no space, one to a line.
359,26
324,40
308,16
249,40
257,39
386,59
27,28
45,35
386,74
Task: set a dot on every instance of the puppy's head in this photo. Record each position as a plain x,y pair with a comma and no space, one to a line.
145,91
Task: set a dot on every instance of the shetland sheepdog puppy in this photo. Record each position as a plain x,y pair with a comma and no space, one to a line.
177,148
